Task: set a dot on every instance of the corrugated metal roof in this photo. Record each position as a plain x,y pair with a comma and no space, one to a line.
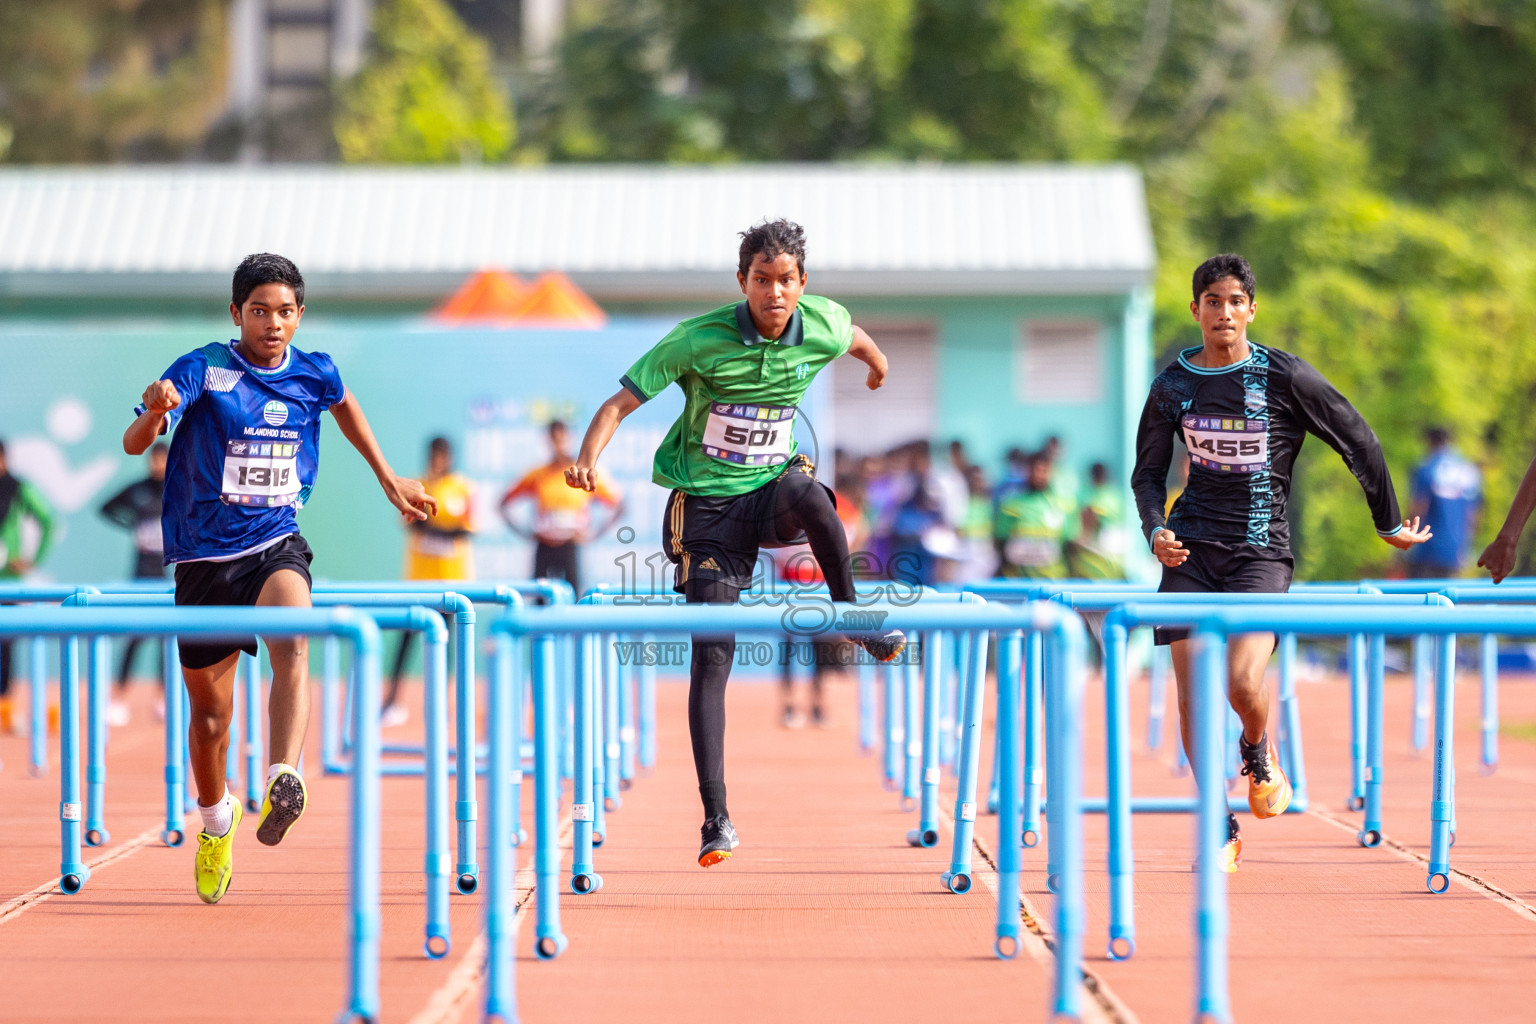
640,230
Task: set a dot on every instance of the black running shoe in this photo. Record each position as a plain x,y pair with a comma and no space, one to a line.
283,805
883,647
719,840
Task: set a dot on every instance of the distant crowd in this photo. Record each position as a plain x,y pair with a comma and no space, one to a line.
945,518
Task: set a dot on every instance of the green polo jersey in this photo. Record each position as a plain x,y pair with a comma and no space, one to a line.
742,393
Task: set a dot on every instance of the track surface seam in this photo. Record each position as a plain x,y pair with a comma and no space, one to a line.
1042,949
1482,887
447,1003
15,907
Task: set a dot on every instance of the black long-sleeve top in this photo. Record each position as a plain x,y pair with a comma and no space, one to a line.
136,508
1243,425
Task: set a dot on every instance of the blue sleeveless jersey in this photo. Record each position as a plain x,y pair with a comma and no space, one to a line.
245,449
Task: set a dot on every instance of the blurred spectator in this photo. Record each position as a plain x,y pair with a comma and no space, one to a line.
1064,480
924,531
436,549
885,479
1098,552
1014,478
950,478
20,504
979,561
1448,495
562,514
136,508
1033,526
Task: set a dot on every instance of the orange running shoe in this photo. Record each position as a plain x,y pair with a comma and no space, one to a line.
1231,854
1269,791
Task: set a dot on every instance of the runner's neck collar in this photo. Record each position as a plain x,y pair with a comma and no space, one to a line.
1187,354
265,371
794,331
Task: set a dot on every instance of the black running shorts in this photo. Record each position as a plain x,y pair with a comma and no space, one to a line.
237,582
718,537
558,561
1215,567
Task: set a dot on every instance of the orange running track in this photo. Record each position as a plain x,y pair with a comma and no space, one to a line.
824,914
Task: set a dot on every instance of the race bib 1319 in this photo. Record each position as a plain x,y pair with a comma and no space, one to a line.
260,473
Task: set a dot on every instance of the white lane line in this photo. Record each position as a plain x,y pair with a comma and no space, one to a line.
1102,1005
448,1003
1481,886
15,907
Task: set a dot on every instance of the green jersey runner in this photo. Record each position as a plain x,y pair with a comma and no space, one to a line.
739,481
737,430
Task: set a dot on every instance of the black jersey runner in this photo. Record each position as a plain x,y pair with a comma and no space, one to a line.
1243,425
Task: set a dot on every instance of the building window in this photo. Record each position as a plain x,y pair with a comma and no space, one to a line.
1059,362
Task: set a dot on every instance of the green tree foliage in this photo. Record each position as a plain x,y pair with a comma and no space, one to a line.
1445,88
427,93
99,80
704,80
943,79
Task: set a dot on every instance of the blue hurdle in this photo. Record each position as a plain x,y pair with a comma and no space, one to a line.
544,625
354,627
1210,671
37,667
912,756
1185,610
467,869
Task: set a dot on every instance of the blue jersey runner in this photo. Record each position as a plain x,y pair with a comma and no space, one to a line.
247,450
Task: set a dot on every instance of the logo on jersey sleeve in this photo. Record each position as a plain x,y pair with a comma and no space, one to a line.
275,413
221,378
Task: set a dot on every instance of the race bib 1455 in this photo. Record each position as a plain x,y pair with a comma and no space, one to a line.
1227,445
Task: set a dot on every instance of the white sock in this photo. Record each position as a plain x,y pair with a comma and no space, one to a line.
273,771
218,819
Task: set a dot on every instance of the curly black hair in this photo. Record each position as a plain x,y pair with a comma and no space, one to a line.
266,268
1228,264
770,240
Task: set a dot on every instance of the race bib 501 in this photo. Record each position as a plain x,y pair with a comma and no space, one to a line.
1227,445
260,473
750,435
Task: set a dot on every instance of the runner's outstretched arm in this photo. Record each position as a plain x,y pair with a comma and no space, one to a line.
1499,557
583,474
866,351
408,496
1329,415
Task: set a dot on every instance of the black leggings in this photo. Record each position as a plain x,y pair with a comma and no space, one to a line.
800,504
408,639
